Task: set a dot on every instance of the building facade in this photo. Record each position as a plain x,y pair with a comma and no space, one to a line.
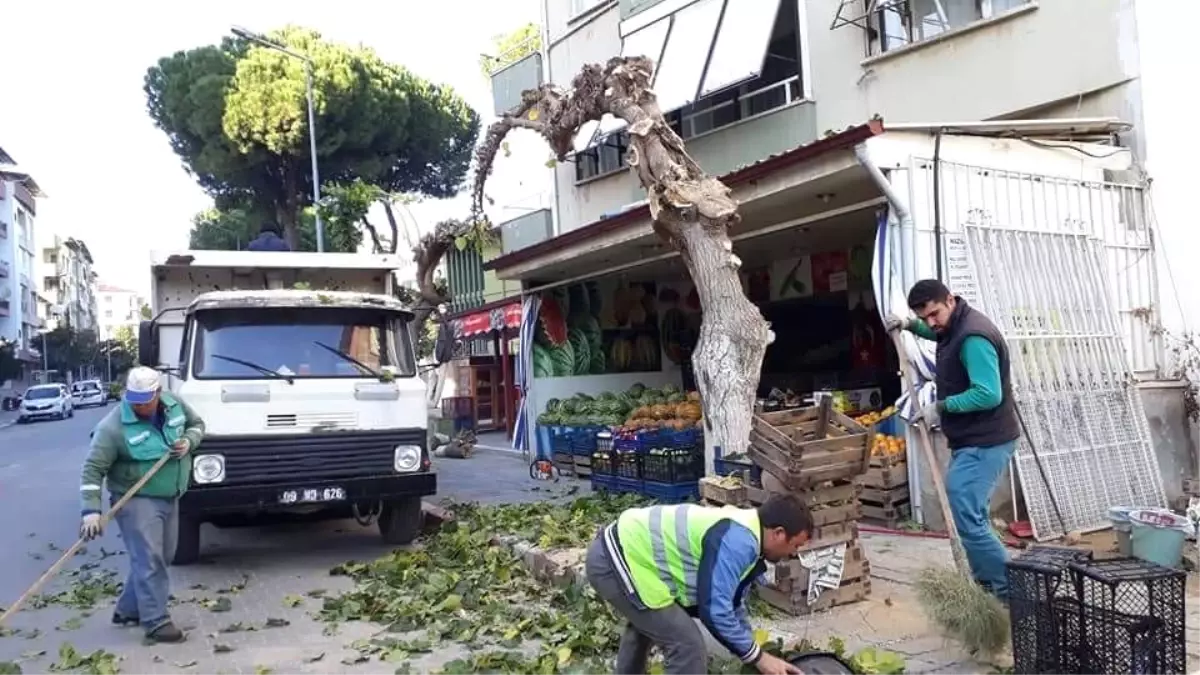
69,284
19,319
116,308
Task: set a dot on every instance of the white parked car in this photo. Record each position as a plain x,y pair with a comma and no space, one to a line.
46,400
88,392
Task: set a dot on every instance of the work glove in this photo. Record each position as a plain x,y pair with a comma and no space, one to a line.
931,414
91,527
181,447
894,323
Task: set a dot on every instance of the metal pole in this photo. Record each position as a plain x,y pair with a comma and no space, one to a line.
312,148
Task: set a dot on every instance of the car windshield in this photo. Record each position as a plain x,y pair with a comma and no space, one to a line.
297,342
39,393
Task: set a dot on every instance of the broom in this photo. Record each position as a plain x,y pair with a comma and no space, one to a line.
950,597
70,553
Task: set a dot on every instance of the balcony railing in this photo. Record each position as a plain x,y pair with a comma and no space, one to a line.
765,99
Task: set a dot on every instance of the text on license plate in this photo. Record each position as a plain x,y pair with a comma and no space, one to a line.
328,494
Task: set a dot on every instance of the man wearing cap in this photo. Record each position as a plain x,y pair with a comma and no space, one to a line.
125,445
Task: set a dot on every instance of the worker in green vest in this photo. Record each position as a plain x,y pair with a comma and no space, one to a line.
662,566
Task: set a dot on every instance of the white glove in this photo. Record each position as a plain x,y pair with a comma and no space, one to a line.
931,414
91,527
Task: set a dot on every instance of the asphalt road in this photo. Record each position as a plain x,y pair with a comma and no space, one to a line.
39,518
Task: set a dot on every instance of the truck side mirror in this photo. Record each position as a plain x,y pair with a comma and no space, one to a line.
148,344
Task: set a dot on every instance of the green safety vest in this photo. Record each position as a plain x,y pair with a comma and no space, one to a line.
661,546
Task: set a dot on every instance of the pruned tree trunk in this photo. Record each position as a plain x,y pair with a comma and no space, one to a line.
428,255
691,210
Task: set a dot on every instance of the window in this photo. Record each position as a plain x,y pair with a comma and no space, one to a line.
3,230
607,156
580,6
300,343
108,313
902,22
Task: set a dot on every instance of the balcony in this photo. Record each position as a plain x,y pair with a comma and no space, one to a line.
5,269
526,230
509,81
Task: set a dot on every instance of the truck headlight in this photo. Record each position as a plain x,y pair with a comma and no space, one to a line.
407,458
209,469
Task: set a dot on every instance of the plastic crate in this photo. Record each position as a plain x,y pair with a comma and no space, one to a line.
671,492
687,438
628,465
607,483
583,440
673,465
892,426
635,441
1036,579
1130,617
560,438
544,446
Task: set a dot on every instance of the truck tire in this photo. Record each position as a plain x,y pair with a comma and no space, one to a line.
400,521
187,541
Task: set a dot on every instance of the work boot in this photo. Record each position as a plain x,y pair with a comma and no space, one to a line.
167,633
124,621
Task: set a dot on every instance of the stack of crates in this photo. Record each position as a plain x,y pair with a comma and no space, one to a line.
663,464
460,411
1072,614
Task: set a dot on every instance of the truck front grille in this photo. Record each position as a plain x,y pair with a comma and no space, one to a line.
299,460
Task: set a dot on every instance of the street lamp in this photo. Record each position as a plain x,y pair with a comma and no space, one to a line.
312,127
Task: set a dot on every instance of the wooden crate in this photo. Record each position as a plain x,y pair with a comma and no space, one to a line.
583,465
840,493
883,461
721,495
791,577
890,516
809,446
879,497
796,603
564,462
886,477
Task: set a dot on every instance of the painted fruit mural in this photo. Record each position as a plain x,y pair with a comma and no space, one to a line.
598,327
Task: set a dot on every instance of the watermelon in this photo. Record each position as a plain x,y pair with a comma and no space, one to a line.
552,405
543,362
552,326
606,396
582,351
669,389
567,407
583,397
637,390
564,359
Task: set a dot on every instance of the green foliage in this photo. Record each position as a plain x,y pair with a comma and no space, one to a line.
99,662
236,115
68,349
508,48
217,230
10,366
146,312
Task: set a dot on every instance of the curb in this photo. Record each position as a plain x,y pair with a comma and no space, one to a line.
434,517
542,566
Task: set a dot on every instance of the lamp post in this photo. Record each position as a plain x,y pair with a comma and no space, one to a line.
312,127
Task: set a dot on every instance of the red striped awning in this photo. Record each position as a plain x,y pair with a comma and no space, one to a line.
497,318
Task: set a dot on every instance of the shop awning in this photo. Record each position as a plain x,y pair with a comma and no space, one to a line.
502,317
703,47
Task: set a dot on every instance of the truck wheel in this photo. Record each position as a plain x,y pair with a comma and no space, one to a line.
187,541
400,521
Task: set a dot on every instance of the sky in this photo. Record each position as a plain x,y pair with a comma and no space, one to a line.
74,114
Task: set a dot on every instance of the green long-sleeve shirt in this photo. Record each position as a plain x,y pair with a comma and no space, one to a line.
979,357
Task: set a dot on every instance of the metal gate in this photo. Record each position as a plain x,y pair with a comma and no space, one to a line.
1048,292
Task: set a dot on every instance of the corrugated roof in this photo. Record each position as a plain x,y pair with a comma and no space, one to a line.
753,171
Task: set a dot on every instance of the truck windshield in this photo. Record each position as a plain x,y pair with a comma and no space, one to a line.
289,341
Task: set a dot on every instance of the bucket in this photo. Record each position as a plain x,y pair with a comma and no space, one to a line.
1119,516
821,663
1159,536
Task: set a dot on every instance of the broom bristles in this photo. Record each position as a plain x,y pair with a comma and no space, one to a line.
963,610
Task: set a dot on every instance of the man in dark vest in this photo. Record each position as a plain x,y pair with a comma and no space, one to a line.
268,239
976,413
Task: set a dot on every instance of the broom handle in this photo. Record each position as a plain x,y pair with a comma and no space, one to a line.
926,443
70,553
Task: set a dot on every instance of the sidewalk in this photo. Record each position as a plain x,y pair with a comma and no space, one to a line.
7,418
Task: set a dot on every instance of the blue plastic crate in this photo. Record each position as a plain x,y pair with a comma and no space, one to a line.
892,426
607,483
687,438
545,447
725,467
642,441
560,438
671,492
583,441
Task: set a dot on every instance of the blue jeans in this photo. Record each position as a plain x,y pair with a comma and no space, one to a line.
147,526
970,483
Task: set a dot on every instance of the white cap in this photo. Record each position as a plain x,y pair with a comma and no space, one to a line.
141,385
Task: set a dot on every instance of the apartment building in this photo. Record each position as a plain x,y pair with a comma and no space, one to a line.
69,284
117,307
19,320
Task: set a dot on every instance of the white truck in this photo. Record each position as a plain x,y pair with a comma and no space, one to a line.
303,368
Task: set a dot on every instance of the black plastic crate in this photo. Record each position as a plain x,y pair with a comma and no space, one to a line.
602,458
1035,580
673,465
628,464
1097,640
1131,618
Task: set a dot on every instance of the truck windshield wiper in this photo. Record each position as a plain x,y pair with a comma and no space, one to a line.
351,359
262,369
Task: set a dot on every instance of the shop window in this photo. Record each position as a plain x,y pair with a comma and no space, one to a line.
898,23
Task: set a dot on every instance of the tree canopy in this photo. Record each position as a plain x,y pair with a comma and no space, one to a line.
10,366
508,48
235,113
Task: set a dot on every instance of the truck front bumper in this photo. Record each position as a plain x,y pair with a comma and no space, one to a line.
214,500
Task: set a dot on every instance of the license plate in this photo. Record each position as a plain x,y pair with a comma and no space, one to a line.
312,495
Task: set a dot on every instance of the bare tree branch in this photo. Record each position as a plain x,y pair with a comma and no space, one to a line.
391,216
690,209
376,246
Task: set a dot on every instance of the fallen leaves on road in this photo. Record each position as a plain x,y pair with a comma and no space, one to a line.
222,604
87,588
292,601
99,662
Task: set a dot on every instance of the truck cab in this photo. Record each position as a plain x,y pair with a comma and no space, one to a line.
303,368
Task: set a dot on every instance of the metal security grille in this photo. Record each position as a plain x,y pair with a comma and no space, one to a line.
1048,293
